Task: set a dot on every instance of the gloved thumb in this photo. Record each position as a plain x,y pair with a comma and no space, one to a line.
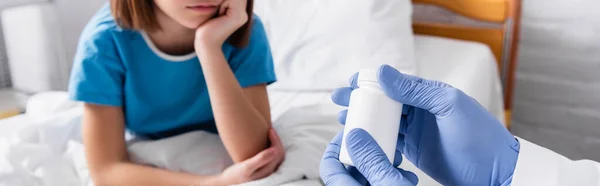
412,90
372,162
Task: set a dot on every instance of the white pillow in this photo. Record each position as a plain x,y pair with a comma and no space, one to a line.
319,44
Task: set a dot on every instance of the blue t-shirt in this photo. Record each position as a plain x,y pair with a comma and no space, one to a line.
161,95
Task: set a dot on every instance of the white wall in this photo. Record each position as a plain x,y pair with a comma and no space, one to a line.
14,3
557,94
31,59
41,51
4,72
73,16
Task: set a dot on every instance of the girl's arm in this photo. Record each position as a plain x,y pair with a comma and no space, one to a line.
242,115
106,153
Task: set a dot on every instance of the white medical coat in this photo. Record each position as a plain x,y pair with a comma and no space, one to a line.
538,166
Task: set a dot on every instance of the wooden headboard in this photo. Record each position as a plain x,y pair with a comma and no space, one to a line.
502,40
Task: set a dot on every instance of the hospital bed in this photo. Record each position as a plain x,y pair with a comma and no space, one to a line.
479,61
494,23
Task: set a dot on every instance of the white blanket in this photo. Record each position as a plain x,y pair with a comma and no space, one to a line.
49,151
304,132
46,152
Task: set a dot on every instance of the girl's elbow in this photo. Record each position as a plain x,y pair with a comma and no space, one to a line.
104,175
101,178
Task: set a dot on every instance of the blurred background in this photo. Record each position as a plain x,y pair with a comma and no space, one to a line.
556,100
557,88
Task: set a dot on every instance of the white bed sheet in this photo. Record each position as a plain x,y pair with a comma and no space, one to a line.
467,66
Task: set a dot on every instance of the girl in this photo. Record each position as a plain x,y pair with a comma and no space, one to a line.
150,66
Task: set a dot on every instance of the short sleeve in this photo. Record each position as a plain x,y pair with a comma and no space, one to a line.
253,64
98,74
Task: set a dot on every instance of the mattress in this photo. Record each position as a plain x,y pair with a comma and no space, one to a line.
468,66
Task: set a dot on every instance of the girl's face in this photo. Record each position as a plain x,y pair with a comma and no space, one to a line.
189,13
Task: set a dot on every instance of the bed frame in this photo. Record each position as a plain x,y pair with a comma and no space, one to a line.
502,40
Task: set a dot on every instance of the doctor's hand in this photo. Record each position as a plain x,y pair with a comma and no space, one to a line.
445,133
371,162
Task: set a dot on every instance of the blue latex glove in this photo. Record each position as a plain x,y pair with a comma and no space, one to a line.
371,162
444,132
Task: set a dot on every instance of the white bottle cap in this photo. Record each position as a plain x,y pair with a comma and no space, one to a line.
368,75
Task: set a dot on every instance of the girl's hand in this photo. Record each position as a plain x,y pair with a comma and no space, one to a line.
259,166
232,16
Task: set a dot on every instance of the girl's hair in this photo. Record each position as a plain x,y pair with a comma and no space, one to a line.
139,15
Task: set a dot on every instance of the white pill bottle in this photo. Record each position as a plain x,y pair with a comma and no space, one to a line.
372,110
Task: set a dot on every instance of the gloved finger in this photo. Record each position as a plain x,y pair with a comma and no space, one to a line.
354,81
341,96
400,143
400,88
406,109
404,124
426,81
357,175
342,116
397,158
331,170
412,177
371,161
